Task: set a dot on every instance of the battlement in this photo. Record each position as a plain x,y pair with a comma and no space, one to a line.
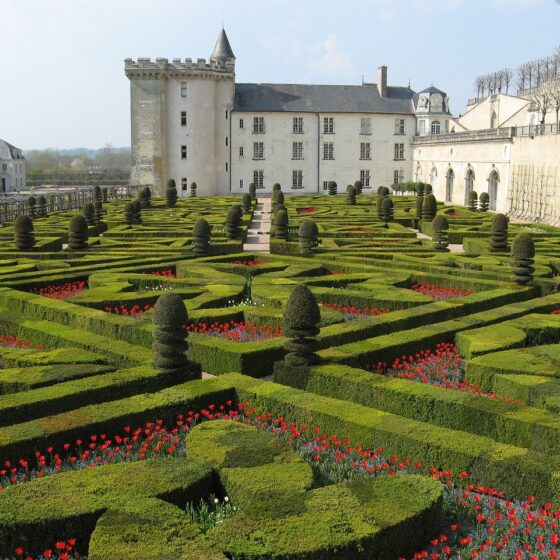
161,67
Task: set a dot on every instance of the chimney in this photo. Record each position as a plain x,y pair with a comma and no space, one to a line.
382,81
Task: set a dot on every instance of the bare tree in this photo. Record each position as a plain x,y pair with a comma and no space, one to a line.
554,90
542,100
530,73
507,74
479,86
522,76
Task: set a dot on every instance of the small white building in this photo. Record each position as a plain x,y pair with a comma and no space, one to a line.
191,122
12,168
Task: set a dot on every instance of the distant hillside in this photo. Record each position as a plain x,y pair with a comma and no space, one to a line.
74,152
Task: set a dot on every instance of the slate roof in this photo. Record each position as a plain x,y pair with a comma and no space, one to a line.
322,98
433,89
7,151
222,49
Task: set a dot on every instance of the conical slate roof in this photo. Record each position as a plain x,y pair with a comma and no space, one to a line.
222,50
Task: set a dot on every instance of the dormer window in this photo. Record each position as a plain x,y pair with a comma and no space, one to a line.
436,127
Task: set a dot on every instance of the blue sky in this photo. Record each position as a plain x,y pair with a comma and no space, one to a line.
62,82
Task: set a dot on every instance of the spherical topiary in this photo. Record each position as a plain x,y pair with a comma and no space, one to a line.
246,202
171,194
308,234
281,222
484,201
97,195
41,206
387,210
193,190
523,253
276,187
253,191
440,225
351,195
499,239
428,188
233,222
170,337
201,238
78,233
473,201
31,203
301,322
332,188
89,213
429,207
98,206
137,211
129,213
359,187
23,232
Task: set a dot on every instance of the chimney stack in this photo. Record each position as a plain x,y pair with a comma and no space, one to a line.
382,81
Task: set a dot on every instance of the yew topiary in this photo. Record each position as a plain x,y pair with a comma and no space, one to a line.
387,211
440,225
201,238
145,197
98,206
276,187
78,233
89,213
105,194
499,238
277,198
473,201
332,188
428,188
281,222
137,211
253,191
23,233
41,206
359,187
129,213
193,190
308,234
351,195
97,194
170,337
246,202
31,203
379,206
523,254
419,204
484,201
233,222
420,189
384,191
429,207
171,194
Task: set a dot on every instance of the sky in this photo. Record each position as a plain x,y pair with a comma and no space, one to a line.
62,81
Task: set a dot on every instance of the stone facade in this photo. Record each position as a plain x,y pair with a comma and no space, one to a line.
12,168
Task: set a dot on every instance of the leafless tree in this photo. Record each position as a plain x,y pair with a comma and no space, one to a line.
507,74
479,86
542,100
554,91
522,76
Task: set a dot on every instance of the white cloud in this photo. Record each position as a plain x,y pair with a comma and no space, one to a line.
516,3
330,59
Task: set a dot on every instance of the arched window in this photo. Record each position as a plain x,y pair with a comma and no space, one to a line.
469,184
436,127
494,123
449,185
493,181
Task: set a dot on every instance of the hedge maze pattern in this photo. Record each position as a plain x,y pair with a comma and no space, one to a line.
429,354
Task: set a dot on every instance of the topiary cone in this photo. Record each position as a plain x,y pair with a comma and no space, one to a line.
253,191
171,194
429,207
332,188
201,238
31,202
89,213
351,195
387,210
440,225
137,211
128,213
41,206
484,201
233,222
499,238
523,253
473,201
23,233
78,233
359,187
281,222
308,237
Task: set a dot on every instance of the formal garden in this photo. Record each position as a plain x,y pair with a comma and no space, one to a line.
382,384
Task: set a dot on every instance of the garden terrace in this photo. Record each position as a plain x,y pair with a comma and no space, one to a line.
76,330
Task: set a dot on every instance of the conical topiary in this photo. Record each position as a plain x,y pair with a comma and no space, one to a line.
129,213
387,210
308,234
31,203
359,187
420,189
523,254
332,188
171,194
89,213
484,201
137,211
276,187
201,238
383,191
419,204
41,206
302,317
351,195
499,239
440,225
23,233
78,233
98,206
253,191
170,337
429,207
193,190
246,202
379,206
97,194
105,194
473,201
233,222
281,223
277,198
145,197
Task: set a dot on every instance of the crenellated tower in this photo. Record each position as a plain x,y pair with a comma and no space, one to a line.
180,120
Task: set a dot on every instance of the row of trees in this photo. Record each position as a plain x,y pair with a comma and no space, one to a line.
528,75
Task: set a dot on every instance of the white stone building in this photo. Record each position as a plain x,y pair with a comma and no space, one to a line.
12,168
191,122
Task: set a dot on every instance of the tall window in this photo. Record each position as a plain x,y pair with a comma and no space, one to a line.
258,125
365,150
364,177
365,125
240,123
328,150
183,152
183,118
258,150
184,183
436,127
297,179
398,176
399,126
297,150
297,126
422,127
328,125
325,185
258,178
183,89
399,151
241,151
241,183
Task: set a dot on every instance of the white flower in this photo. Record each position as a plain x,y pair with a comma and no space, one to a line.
226,499
216,500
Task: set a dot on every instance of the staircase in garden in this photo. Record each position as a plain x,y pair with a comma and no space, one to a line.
258,233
